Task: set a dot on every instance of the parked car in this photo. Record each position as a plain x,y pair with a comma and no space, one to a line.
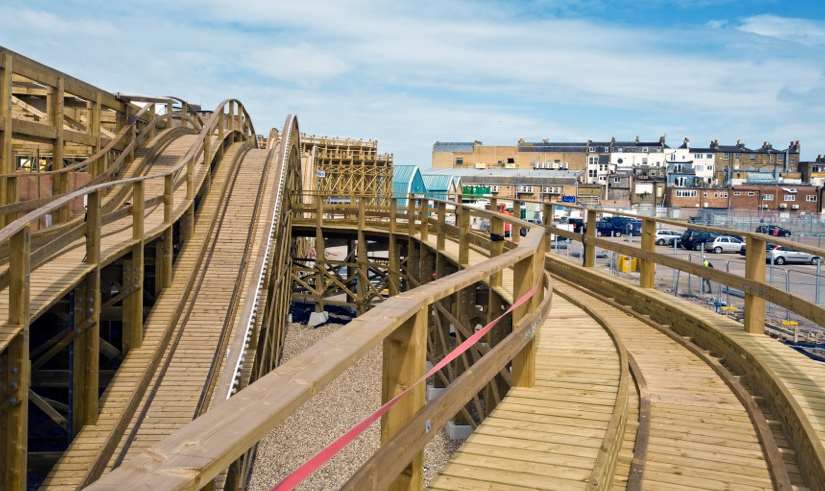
774,230
778,254
667,237
725,243
577,223
617,226
694,240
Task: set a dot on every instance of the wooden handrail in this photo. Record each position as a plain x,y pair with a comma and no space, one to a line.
196,453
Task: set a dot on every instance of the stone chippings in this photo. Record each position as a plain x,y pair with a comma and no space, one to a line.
330,413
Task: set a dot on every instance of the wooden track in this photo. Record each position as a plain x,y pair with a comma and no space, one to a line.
173,396
548,436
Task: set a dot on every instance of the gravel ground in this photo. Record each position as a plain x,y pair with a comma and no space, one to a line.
352,396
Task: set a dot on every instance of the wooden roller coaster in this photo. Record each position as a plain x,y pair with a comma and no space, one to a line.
146,275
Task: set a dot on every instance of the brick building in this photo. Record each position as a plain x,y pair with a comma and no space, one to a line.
518,183
753,197
735,161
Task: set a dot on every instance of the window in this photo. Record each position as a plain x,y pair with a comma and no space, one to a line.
645,150
767,197
621,161
752,193
725,194
591,149
511,160
459,161
617,180
644,160
685,193
591,172
494,188
709,156
811,198
697,155
593,160
737,193
552,189
790,197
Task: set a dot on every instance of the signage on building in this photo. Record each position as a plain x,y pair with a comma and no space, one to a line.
568,199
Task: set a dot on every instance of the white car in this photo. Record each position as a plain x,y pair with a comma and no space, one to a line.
724,243
667,237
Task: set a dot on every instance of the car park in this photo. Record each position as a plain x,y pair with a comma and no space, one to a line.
667,237
777,254
618,226
724,243
774,230
695,240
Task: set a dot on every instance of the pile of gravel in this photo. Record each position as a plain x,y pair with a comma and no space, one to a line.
352,396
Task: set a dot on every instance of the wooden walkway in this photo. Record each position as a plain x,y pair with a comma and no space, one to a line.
547,436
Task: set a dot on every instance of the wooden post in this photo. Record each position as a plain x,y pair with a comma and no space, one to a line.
647,276
423,216
524,365
496,247
320,257
590,237
169,113
361,254
7,165
168,233
441,225
411,214
404,361
152,122
16,368
60,182
756,254
95,123
463,222
392,251
515,233
133,275
86,344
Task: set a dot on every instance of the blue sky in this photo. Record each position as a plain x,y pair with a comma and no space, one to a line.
410,73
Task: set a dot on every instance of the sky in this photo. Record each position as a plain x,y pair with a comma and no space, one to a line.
410,73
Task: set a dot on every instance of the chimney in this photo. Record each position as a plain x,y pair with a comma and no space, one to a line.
662,141
637,139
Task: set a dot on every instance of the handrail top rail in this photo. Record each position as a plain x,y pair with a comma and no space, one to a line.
17,225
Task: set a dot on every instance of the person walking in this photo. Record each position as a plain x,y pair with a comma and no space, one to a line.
706,288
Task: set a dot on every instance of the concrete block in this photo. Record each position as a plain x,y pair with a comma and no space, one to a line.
433,392
458,432
317,318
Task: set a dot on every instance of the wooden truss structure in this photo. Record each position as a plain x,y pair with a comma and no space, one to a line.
348,167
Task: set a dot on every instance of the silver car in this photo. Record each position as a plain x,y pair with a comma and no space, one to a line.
782,255
724,243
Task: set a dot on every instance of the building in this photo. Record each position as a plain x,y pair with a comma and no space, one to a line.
731,161
524,184
551,155
632,154
406,179
473,155
441,186
753,197
813,172
690,166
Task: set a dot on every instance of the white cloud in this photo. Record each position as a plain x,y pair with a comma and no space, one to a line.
802,31
300,63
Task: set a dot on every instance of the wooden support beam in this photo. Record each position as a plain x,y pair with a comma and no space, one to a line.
7,164
48,410
441,229
60,183
404,361
423,216
320,254
647,276
167,249
515,233
361,256
133,275
392,252
590,237
86,343
496,246
755,257
16,369
463,222
547,219
524,365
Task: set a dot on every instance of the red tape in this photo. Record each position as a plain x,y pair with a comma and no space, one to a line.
322,457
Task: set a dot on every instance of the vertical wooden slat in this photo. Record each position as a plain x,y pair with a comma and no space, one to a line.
423,214
404,361
7,165
320,258
463,219
17,368
392,250
168,232
515,233
60,182
86,344
361,255
441,228
524,364
590,236
133,305
647,276
496,247
755,257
